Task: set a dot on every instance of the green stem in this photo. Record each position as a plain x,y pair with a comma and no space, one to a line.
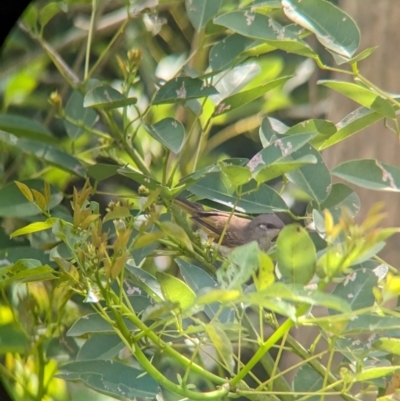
161,344
108,47
89,40
81,124
41,377
264,348
161,379
132,152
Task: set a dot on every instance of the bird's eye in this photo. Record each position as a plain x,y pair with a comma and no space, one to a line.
267,226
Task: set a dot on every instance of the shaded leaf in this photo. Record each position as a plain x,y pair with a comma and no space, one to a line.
222,344
106,97
182,89
216,188
23,127
369,173
200,12
146,281
259,26
198,279
101,171
13,339
169,132
313,179
81,115
100,346
239,99
307,380
14,204
111,377
48,153
357,287
94,323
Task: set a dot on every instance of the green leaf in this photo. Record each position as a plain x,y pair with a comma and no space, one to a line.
176,290
23,127
13,339
242,263
296,255
237,175
364,54
169,132
333,28
81,115
177,233
198,279
277,305
357,287
362,95
239,99
101,171
112,378
278,150
375,372
308,380
354,122
370,174
297,293
145,281
222,344
48,153
20,85
322,129
11,255
48,12
279,168
260,200
14,204
200,12
137,176
267,133
387,344
367,323
106,97
100,346
94,323
25,270
341,196
225,52
259,26
313,179
33,228
182,89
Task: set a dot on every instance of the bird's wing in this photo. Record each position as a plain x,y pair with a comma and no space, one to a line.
213,225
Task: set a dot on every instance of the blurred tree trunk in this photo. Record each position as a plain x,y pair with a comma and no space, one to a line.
379,25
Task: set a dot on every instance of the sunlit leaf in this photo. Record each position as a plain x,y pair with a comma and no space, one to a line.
363,96
296,255
334,29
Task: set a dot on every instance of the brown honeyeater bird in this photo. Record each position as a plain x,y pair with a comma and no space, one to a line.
239,231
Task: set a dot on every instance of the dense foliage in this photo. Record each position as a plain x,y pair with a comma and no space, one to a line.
110,110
